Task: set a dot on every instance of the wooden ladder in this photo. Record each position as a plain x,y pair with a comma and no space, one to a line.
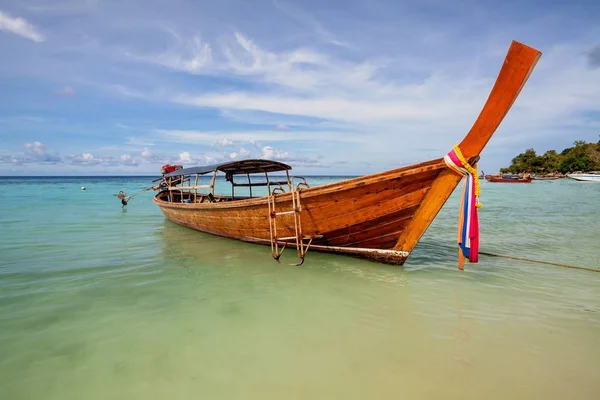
299,238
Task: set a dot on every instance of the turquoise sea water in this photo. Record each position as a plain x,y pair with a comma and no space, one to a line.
100,302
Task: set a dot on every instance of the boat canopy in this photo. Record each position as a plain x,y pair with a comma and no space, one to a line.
244,167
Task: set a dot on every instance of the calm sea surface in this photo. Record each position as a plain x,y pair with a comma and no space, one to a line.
100,302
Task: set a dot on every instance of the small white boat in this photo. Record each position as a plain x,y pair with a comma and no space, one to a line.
585,177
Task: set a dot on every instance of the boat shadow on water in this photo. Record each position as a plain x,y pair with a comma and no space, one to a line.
429,254
180,243
202,253
190,248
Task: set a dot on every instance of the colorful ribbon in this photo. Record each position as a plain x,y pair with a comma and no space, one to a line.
468,222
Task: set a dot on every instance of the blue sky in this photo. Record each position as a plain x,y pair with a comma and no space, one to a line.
337,87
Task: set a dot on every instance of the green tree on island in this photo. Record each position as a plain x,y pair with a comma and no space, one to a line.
583,156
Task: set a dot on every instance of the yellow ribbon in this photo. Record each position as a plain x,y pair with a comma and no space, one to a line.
472,170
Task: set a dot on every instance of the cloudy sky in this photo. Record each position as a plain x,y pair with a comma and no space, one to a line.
336,87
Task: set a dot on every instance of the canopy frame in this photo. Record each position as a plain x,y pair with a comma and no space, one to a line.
176,180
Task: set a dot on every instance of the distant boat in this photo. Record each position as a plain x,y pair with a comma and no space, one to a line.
545,178
379,217
585,177
507,179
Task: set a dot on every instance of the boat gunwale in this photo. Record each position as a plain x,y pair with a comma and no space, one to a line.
406,171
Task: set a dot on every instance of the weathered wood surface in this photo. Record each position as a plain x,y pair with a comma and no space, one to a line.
367,212
380,216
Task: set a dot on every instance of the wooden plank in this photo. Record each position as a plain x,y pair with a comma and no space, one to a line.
370,227
441,189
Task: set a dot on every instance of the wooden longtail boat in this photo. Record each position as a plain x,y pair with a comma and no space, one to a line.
507,179
379,217
545,178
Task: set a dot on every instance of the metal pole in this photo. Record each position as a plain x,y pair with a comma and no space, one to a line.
249,184
212,183
195,189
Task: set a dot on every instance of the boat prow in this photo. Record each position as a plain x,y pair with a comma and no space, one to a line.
379,217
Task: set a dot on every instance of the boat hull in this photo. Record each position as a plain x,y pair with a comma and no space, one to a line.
585,177
496,179
362,217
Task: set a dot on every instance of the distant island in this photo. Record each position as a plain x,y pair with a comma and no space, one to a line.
582,157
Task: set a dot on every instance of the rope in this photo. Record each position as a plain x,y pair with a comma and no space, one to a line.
125,199
140,192
530,260
541,262
472,170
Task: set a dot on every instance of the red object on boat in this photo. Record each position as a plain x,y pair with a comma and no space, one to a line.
167,168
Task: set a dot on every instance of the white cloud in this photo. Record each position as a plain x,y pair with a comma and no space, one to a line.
270,153
253,117
20,27
301,68
440,100
35,147
184,157
233,155
254,143
127,159
420,118
282,127
35,152
86,159
335,108
146,153
207,159
224,142
189,55
311,22
66,91
252,137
